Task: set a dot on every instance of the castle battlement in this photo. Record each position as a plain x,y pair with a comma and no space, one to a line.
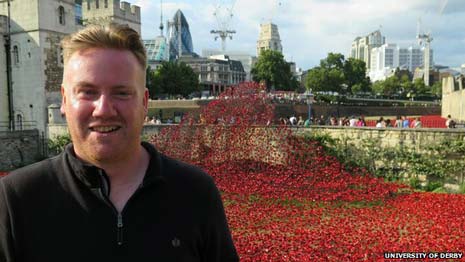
127,10
102,8
111,11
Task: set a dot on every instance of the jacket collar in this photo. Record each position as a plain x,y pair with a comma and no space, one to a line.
91,175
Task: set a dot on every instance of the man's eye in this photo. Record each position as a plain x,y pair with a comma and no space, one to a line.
123,94
87,92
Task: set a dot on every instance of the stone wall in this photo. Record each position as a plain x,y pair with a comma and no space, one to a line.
390,137
19,148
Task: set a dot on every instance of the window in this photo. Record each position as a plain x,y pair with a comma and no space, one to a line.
88,4
19,121
96,4
61,15
15,55
105,3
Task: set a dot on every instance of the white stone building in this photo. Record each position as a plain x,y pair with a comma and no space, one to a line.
216,72
386,58
362,46
269,38
37,27
247,60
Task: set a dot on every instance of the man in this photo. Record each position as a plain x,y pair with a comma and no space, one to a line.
109,197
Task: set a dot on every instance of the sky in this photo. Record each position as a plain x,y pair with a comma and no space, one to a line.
310,29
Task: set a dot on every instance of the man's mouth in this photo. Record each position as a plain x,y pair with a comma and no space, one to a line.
104,129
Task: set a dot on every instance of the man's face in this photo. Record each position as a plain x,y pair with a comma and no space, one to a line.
105,102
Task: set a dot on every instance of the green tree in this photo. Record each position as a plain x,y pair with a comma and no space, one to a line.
174,78
420,87
150,81
272,69
355,76
406,85
436,89
328,76
378,87
338,75
391,86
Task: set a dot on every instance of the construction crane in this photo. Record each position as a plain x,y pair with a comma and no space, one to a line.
223,14
424,39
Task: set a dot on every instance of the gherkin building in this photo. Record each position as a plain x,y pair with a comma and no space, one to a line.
179,21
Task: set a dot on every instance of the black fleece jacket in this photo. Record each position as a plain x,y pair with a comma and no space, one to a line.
58,210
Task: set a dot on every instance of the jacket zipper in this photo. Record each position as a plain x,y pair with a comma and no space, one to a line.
119,225
119,215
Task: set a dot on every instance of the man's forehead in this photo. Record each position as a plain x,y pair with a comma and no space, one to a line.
95,55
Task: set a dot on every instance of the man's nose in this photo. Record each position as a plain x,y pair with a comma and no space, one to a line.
104,107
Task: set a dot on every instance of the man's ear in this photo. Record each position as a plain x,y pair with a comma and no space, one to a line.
63,100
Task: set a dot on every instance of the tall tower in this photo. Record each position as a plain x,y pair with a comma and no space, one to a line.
269,38
180,38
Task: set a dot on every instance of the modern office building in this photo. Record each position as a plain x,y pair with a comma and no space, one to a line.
362,46
387,57
180,39
269,38
158,50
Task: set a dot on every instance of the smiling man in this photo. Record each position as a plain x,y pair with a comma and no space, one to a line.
109,196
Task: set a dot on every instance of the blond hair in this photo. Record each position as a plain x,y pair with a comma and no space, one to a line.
113,36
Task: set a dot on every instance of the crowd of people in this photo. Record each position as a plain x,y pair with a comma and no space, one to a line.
352,121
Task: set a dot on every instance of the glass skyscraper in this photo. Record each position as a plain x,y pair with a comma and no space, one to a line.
179,21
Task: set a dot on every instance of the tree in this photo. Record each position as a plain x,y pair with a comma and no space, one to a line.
436,89
174,78
150,81
328,76
338,75
274,71
420,87
388,87
355,76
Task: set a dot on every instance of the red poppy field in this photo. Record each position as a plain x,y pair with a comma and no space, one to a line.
287,200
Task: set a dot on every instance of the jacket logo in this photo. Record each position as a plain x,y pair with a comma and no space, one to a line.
176,242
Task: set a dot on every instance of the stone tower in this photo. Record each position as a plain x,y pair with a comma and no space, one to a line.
37,27
269,38
111,11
